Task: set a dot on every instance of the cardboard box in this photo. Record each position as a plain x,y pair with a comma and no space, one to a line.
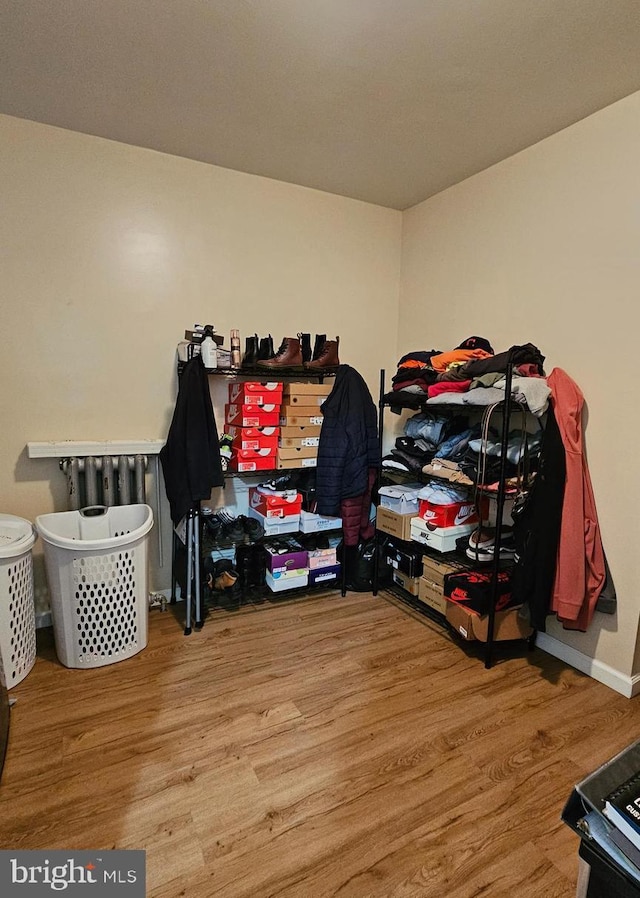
319,558
432,594
436,569
247,460
472,626
314,523
394,524
410,584
328,574
297,452
298,392
299,433
255,393
441,539
280,582
301,417
274,506
405,557
451,515
276,526
298,442
243,415
253,437
305,399
286,555
402,499
285,463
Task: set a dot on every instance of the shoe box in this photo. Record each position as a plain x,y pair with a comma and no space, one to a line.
441,539
275,506
328,574
394,523
314,523
451,515
309,394
473,626
299,442
247,415
299,416
293,453
300,435
404,557
283,581
255,438
255,393
473,589
286,555
434,572
432,594
321,558
276,526
252,459
410,584
401,498
282,464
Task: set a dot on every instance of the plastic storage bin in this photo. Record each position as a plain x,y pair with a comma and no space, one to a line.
97,570
17,607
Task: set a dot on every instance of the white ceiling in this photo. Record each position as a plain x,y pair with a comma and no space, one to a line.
388,101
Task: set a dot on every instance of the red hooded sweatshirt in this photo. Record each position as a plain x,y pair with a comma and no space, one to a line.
580,570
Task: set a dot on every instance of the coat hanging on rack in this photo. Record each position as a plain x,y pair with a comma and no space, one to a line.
191,456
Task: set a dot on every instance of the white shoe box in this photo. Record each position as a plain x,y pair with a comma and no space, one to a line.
441,539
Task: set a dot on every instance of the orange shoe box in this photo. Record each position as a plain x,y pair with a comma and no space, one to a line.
252,415
254,393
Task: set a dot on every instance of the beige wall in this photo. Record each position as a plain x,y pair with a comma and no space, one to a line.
544,247
110,251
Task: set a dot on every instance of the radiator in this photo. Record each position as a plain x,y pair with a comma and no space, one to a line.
105,480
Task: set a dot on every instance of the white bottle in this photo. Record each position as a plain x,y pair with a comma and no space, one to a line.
209,353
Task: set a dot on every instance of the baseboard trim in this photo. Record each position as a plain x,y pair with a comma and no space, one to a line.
603,673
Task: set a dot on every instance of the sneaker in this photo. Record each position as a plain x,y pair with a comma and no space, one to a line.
487,552
225,451
278,486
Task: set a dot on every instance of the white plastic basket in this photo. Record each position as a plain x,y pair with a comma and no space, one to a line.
17,607
97,570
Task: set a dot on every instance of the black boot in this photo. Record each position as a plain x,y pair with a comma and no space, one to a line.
305,344
250,352
265,349
318,346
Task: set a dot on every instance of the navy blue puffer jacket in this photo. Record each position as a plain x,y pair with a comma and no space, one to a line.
348,442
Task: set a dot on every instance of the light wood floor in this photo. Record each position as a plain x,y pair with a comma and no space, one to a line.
321,747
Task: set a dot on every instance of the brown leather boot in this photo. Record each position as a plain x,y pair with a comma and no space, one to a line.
288,356
328,357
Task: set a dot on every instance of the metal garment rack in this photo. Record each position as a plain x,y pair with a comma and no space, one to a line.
500,502
194,592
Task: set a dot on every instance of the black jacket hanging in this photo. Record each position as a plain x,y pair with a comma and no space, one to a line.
191,456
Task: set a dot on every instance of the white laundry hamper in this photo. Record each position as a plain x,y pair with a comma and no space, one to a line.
97,569
17,606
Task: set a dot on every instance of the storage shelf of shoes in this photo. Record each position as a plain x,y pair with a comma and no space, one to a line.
232,550
481,492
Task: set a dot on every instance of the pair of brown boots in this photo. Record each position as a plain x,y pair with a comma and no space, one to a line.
295,352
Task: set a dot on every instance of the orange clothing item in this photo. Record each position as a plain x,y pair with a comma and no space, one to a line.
580,567
457,357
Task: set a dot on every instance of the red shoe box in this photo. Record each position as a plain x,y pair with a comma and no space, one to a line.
452,515
252,460
252,415
275,506
253,393
254,437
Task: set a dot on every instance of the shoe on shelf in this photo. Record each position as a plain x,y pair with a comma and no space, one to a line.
278,486
225,451
253,529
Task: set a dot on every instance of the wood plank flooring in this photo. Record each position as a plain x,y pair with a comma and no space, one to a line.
320,747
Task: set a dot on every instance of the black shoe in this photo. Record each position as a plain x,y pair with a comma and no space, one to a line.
253,529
